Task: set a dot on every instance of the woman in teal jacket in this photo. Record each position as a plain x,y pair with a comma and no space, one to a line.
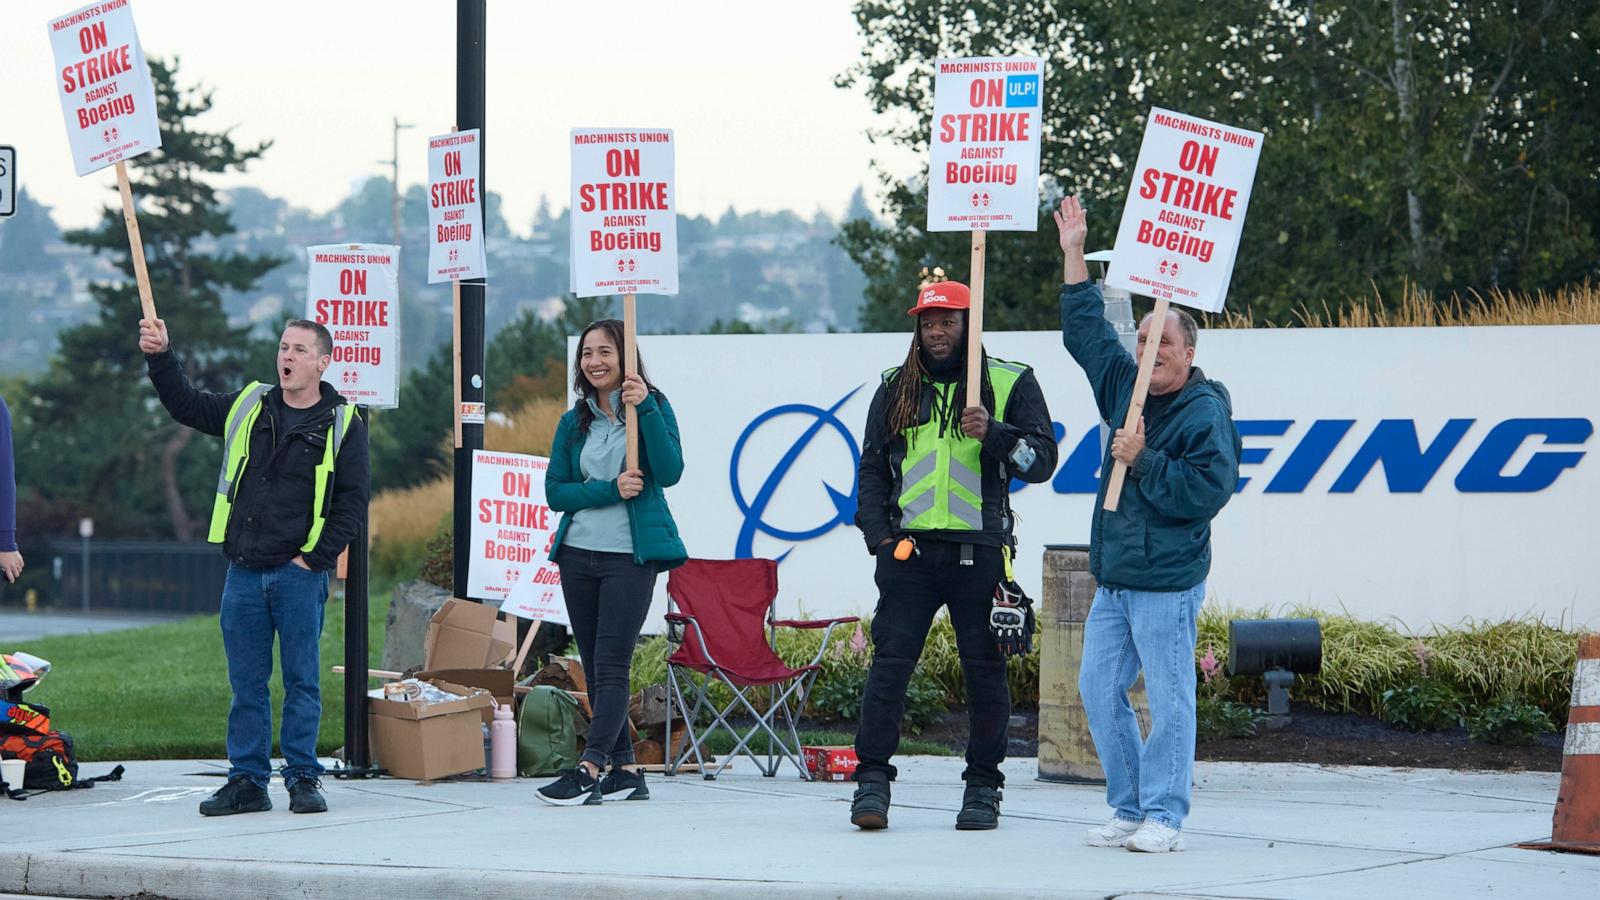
616,534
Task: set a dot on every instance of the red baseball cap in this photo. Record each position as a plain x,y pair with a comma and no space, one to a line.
941,295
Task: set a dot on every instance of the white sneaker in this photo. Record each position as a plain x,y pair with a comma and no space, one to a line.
1154,837
1114,833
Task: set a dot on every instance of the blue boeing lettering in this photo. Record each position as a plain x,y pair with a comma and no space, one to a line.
1483,472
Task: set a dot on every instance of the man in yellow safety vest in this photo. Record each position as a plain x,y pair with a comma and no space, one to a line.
291,494
935,510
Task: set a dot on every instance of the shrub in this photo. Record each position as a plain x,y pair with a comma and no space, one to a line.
1427,704
1509,720
1215,716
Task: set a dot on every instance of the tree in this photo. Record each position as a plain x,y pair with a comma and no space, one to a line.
1443,144
25,236
93,414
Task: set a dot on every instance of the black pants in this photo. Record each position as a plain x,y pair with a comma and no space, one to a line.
608,597
909,594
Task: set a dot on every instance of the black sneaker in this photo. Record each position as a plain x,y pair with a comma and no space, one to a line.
305,796
869,808
980,809
239,795
628,782
575,787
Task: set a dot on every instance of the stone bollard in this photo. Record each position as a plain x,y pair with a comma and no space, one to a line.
1066,751
413,607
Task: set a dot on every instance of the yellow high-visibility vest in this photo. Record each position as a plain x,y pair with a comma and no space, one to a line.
236,454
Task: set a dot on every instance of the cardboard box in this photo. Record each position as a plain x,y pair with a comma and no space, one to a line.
427,741
830,763
467,635
500,684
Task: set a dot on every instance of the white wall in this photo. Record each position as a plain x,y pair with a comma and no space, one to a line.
1437,555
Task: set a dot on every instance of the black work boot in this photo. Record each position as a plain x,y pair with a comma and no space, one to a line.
869,808
305,796
980,808
239,795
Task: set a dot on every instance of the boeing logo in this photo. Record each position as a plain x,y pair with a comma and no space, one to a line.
1408,464
842,504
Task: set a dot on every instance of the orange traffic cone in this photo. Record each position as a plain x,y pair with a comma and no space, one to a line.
1576,826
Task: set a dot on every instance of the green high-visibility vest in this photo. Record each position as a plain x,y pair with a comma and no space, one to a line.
941,477
236,454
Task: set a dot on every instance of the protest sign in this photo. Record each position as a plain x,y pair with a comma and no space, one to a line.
983,172
455,208
624,227
353,289
1180,230
624,221
1185,211
512,530
104,85
109,105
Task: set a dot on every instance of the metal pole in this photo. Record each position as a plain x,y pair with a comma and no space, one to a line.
471,16
357,756
85,578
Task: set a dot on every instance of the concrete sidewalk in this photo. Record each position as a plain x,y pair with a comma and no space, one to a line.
1278,830
17,627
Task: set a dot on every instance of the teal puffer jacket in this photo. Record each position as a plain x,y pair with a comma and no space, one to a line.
655,534
1159,539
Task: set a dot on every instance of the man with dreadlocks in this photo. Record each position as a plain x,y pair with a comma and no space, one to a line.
935,511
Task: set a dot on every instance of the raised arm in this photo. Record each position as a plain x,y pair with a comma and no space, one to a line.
201,410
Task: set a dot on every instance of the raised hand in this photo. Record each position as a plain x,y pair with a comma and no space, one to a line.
1072,223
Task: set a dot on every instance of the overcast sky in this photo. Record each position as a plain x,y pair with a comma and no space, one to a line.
747,85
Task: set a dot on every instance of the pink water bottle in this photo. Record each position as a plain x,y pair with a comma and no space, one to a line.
503,744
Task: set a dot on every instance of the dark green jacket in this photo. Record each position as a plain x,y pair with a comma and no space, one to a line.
655,535
1159,539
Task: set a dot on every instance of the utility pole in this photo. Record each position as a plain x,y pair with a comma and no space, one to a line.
394,179
471,71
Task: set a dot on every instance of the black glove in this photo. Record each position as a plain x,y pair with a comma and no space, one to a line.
1011,620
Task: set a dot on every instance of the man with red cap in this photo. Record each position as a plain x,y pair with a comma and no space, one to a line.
935,510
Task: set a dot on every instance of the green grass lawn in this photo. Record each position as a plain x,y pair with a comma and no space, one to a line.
161,692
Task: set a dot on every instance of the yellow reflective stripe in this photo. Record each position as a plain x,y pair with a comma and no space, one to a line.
235,453
324,475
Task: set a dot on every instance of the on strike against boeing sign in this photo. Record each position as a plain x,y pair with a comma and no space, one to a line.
455,208
984,152
354,290
624,220
1180,228
104,85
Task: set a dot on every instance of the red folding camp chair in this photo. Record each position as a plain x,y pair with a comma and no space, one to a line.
722,631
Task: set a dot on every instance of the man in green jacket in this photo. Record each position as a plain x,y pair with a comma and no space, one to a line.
1151,556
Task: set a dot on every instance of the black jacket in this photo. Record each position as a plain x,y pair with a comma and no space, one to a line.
272,503
1026,418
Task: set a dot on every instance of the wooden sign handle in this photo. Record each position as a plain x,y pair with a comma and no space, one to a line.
630,365
1141,389
135,243
527,644
975,321
455,319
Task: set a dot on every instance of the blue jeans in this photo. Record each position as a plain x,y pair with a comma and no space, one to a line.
1155,630
287,601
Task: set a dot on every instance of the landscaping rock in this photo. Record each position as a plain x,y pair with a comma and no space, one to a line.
414,604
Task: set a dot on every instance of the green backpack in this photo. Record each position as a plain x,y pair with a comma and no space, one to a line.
547,732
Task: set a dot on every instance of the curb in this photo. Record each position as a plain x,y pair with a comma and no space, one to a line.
91,874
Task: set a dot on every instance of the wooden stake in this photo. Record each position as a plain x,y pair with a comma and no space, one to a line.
135,243
522,652
455,319
1141,388
630,365
975,321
